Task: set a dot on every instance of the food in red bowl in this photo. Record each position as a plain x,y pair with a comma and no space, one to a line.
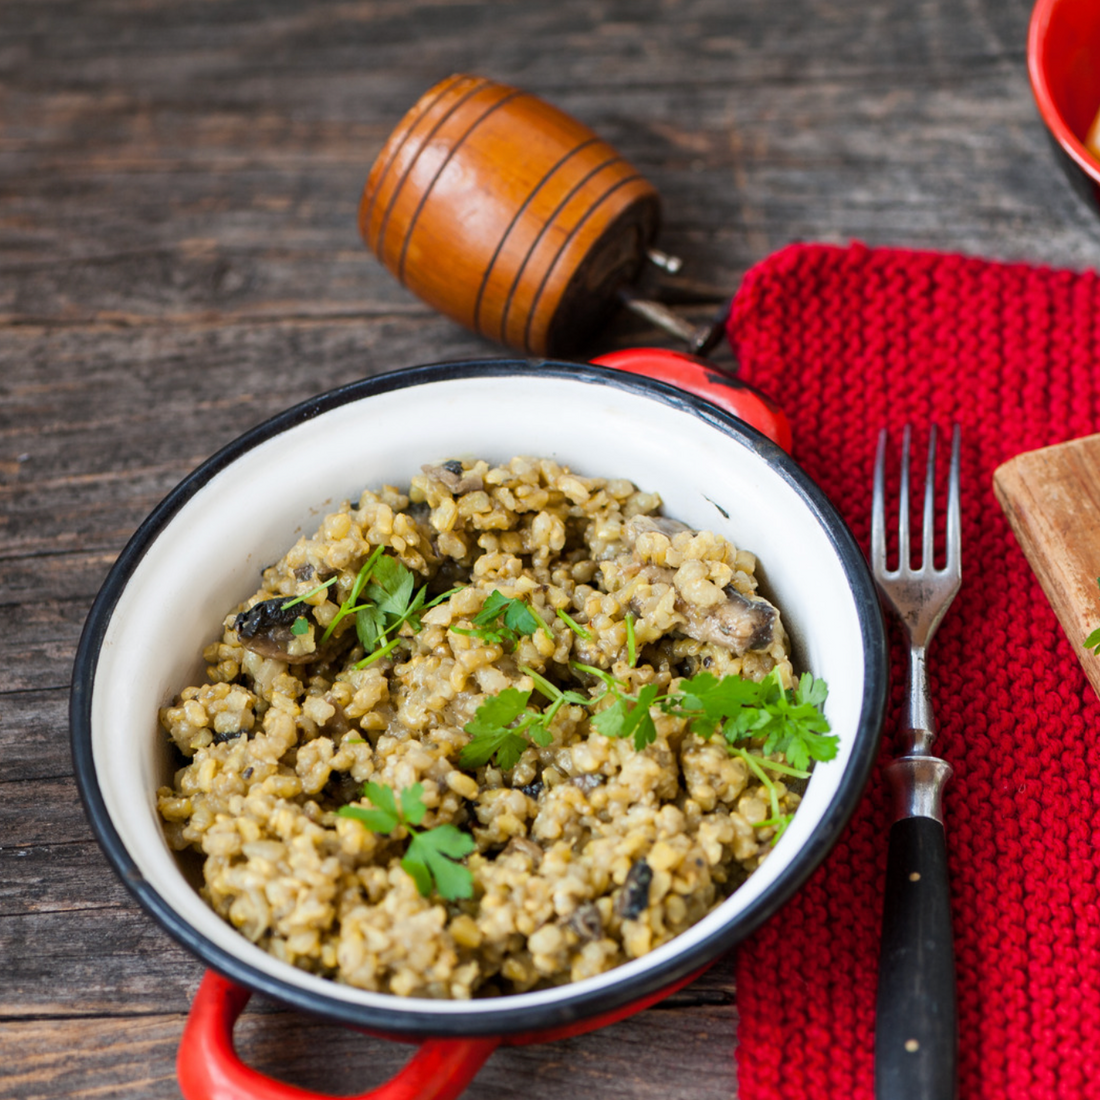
1063,56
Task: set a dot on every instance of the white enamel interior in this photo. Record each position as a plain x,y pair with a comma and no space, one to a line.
210,554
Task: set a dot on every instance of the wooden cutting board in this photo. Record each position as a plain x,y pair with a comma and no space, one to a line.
1052,500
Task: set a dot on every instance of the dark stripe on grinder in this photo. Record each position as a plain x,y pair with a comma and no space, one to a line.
564,245
435,179
511,225
538,239
368,213
409,167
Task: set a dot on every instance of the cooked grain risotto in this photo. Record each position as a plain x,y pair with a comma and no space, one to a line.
453,745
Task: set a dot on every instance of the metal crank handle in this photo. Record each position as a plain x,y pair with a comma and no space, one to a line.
916,1034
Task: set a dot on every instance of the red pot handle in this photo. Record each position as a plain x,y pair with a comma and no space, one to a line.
209,1068
704,379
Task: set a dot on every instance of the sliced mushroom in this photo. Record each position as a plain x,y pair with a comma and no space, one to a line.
633,899
266,629
524,847
640,525
454,476
586,921
739,624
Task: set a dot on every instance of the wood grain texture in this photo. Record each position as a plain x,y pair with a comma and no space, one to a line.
179,259
1052,500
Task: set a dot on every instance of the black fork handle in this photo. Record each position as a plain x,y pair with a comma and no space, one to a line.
916,1034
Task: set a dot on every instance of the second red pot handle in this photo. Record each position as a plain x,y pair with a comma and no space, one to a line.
209,1068
704,379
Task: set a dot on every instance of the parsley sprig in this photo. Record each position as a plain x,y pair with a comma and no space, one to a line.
504,725
390,599
432,853
788,722
503,620
758,720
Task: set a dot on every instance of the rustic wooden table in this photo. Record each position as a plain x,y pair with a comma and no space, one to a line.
179,260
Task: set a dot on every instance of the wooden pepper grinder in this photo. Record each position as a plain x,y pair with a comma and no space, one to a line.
518,222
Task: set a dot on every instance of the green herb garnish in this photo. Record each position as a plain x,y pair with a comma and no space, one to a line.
504,725
306,595
503,620
432,853
300,626
756,719
787,722
631,645
390,599
577,629
501,729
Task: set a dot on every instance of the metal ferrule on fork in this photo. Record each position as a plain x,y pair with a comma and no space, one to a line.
916,776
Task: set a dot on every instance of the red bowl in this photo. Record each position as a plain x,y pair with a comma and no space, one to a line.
1063,57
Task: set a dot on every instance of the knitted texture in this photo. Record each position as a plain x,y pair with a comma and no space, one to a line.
850,340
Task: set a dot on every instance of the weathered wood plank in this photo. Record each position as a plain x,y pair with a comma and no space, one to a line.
34,734
134,1055
95,959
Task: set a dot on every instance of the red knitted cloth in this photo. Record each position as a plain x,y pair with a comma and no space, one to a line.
850,340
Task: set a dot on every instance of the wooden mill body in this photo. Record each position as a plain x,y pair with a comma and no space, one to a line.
507,215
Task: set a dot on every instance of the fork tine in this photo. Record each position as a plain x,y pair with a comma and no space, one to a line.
928,546
954,524
878,509
903,503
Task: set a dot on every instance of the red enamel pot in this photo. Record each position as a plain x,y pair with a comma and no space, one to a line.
165,597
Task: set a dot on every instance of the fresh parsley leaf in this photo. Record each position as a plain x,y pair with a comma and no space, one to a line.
391,587
349,605
628,716
432,853
370,625
788,722
390,599
384,818
520,619
492,733
706,701
503,620
300,626
412,804
797,728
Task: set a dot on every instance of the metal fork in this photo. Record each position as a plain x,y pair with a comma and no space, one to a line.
916,1035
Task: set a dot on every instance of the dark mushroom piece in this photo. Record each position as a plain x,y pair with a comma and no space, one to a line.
454,476
586,921
266,628
639,525
633,899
